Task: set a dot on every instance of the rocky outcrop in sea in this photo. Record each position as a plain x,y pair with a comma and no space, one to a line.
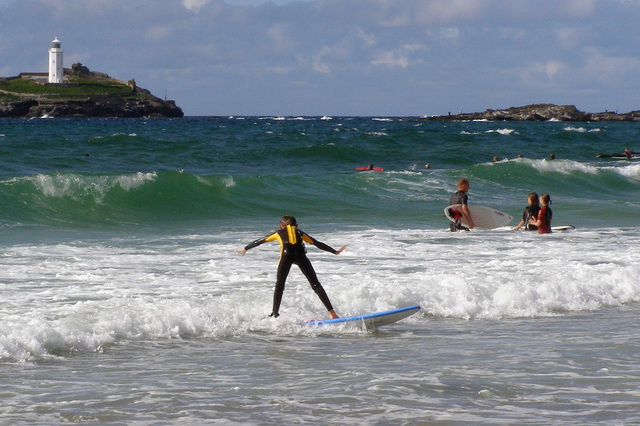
538,112
91,107
84,94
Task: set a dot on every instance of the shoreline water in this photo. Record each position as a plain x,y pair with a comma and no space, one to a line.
124,302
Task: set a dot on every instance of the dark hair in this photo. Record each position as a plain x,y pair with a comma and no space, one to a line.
534,198
288,220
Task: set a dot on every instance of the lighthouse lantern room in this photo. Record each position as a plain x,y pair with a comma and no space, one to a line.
56,71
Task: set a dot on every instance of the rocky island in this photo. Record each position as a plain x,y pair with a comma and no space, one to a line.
538,112
84,93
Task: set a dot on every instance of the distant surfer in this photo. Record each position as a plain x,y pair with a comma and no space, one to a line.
370,168
292,251
460,197
543,221
530,212
628,153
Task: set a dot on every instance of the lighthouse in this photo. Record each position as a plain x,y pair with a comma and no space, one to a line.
56,71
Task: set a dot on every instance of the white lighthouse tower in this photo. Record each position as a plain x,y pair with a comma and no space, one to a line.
56,71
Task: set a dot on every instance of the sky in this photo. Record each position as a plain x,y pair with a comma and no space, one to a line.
342,57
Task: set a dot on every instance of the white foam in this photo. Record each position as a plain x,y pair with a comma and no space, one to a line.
61,298
505,132
564,166
71,185
630,171
581,129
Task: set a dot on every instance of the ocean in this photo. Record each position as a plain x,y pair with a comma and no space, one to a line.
124,300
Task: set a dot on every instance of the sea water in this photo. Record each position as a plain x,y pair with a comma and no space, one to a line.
124,300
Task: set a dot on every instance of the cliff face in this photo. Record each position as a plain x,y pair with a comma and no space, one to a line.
91,107
539,112
87,94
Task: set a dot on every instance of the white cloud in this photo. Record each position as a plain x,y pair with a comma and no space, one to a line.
542,73
369,39
319,64
195,5
551,68
398,58
392,60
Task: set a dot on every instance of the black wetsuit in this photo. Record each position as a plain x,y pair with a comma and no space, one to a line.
459,197
292,251
530,212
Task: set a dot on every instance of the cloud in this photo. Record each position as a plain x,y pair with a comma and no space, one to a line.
547,70
195,5
319,64
280,37
604,69
398,58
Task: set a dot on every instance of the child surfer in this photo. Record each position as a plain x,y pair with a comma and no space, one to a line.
543,222
461,198
292,251
530,212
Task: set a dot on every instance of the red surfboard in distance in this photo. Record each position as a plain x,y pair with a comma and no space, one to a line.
375,169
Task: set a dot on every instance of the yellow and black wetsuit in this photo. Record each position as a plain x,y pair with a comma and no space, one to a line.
292,251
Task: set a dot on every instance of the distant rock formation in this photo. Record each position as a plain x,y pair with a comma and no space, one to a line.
88,94
92,107
538,112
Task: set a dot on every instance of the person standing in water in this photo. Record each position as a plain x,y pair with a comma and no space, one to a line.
460,197
543,222
530,212
292,251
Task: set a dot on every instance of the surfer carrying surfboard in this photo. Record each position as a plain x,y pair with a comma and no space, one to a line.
292,251
460,197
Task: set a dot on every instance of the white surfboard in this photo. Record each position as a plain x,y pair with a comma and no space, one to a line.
562,228
483,217
372,321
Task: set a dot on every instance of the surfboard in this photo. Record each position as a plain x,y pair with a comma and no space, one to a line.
560,228
373,320
483,217
618,156
375,169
